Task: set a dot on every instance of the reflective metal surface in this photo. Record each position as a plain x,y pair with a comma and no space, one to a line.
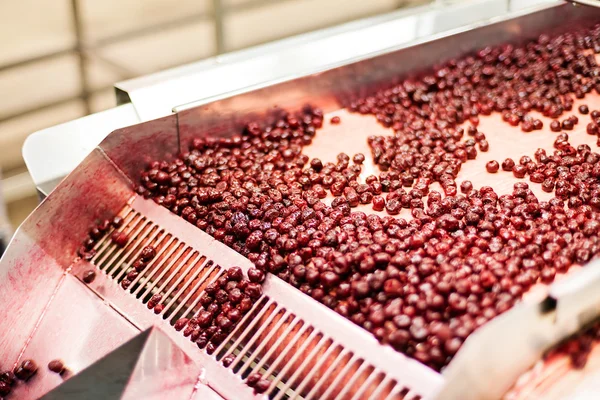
38,263
148,366
52,153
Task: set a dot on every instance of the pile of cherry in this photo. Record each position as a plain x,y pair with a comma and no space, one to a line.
424,283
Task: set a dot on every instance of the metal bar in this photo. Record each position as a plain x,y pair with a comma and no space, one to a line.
198,260
251,5
380,388
235,330
195,288
336,380
365,385
78,28
219,31
124,72
256,334
292,324
33,60
153,262
143,241
175,246
169,247
212,267
103,244
393,394
315,369
190,309
288,346
325,377
187,259
157,236
320,344
258,316
348,385
297,353
137,224
264,341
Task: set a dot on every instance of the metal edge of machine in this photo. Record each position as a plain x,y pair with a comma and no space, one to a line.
116,150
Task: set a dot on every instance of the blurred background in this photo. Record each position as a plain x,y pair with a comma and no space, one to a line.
59,59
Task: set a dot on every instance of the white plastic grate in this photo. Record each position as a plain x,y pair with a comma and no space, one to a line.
286,337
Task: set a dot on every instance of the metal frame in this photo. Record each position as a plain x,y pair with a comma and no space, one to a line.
102,184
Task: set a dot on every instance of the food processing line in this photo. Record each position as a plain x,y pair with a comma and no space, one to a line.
114,347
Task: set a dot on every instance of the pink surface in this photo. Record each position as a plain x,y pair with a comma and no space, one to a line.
28,277
77,328
95,190
134,147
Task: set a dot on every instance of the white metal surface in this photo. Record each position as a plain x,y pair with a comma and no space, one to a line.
50,154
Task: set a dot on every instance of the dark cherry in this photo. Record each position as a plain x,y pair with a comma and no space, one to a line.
358,158
235,273
181,323
120,238
253,379
56,366
254,290
26,370
567,124
255,275
492,166
148,253
466,187
263,384
378,203
508,164
555,126
88,276
8,377
228,360
5,388
117,222
519,171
